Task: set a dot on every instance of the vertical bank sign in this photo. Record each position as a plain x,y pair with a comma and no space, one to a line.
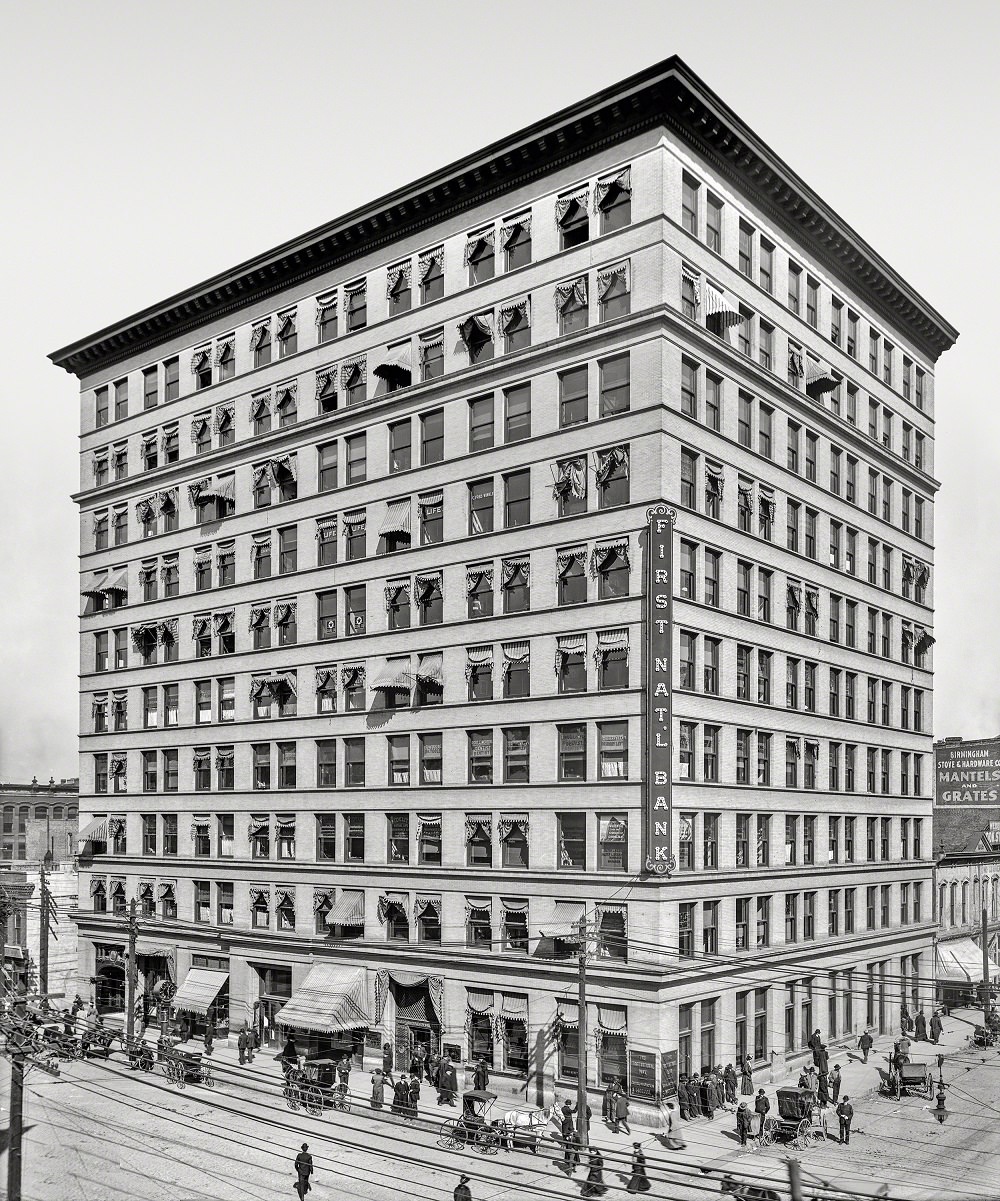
657,817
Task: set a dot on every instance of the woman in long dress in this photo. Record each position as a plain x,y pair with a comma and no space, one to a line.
746,1077
638,1181
594,1185
378,1089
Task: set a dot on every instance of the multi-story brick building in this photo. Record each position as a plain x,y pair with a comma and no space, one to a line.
40,827
967,851
364,691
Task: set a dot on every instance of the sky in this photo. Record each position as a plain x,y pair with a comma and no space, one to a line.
148,146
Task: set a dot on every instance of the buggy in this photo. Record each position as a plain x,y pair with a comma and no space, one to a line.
187,1067
304,1090
906,1077
472,1128
799,1119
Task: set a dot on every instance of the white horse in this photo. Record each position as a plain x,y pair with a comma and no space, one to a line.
527,1123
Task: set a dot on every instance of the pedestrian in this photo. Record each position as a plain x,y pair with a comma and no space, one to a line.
822,1060
920,1027
815,1042
865,1043
621,1114
594,1185
682,1097
608,1100
447,1083
904,1050
744,1123
462,1191
567,1125
378,1088
936,1027
823,1092
746,1077
905,1021
414,1095
209,1036
803,1078
401,1096
813,1077
481,1078
571,1150
707,1095
387,1059
720,1089
241,1044
288,1055
344,1071
761,1107
303,1170
638,1181
835,1082
845,1112
729,1080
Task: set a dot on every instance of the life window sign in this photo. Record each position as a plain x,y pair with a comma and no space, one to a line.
657,803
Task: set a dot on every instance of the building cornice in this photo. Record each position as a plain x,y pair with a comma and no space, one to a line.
667,94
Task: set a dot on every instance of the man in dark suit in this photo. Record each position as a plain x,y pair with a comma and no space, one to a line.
845,1112
303,1170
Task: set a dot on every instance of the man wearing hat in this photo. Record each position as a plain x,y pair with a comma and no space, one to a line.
462,1191
303,1170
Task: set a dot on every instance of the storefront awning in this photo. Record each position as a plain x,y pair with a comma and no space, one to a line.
348,909
200,988
331,998
961,960
145,946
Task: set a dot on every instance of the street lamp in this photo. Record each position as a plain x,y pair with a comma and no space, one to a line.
939,1111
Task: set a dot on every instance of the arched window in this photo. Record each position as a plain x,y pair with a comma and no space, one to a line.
943,904
953,918
965,901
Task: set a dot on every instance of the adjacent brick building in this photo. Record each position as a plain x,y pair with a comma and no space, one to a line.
363,531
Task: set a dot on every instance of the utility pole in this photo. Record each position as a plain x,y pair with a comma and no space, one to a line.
986,970
16,1127
795,1180
4,913
130,972
43,932
581,1082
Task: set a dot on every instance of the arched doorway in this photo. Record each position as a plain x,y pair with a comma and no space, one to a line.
109,988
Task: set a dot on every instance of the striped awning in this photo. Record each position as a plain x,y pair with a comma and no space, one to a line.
216,489
430,669
332,998
200,988
397,518
565,920
569,644
95,831
820,379
720,310
395,675
109,583
397,366
348,909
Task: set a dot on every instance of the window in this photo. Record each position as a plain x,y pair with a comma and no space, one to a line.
613,292
689,476
354,762
572,753
713,223
355,610
794,287
573,220
481,506
572,303
572,841
357,458
515,753
517,499
764,431
480,257
480,592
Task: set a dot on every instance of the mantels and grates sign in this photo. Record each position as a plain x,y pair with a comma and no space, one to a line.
657,816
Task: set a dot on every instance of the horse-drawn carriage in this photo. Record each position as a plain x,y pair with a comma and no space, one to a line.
905,1077
475,1128
799,1119
305,1088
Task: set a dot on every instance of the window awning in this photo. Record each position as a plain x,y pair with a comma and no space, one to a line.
331,998
153,950
961,960
394,676
95,831
820,379
565,920
200,988
348,909
429,669
397,518
396,367
216,489
106,584
718,309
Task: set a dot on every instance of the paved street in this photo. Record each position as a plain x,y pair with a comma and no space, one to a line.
101,1132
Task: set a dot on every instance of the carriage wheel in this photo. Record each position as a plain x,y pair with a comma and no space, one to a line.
768,1132
345,1101
312,1100
292,1098
207,1078
801,1138
449,1137
487,1141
